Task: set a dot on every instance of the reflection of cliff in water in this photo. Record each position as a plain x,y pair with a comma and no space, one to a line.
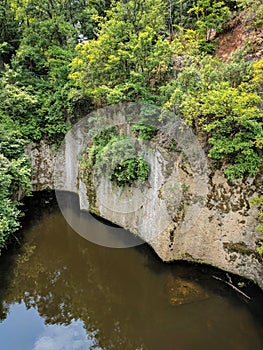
127,297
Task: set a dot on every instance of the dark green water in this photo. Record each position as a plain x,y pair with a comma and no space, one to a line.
58,291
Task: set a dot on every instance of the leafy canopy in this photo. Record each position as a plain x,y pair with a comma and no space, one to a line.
129,59
221,101
15,174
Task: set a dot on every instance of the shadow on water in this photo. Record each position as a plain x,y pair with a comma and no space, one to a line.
60,291
89,227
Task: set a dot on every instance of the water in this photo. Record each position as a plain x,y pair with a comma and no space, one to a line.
59,291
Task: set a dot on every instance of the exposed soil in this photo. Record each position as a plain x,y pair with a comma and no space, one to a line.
240,32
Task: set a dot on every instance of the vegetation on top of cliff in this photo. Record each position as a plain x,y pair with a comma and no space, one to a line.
61,61
131,59
222,101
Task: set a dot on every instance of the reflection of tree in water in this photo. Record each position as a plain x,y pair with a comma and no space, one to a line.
124,296
67,278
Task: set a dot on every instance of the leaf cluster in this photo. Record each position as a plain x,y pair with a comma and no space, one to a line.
144,131
129,59
115,157
221,100
15,175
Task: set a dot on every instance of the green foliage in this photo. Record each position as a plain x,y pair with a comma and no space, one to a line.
115,157
14,162
218,99
19,105
37,41
233,119
129,59
81,15
258,75
9,32
130,170
35,85
125,52
210,15
15,174
144,131
259,201
99,142
9,220
254,11
185,187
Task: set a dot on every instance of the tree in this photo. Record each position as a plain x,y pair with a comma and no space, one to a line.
129,59
221,106
9,32
36,85
15,173
210,14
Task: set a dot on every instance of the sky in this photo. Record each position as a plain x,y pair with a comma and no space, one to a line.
26,330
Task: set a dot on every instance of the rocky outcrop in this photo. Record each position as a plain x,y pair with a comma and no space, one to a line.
42,157
224,234
216,228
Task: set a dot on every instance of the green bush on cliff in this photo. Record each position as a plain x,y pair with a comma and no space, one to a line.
144,131
130,170
115,157
223,102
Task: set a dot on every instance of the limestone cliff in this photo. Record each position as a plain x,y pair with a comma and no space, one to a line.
218,228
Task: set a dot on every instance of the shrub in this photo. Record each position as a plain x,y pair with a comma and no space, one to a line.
15,173
144,131
114,156
222,101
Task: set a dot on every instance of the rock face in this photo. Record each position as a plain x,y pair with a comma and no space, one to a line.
42,157
217,228
224,234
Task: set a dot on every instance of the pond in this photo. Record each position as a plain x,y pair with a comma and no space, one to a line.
60,291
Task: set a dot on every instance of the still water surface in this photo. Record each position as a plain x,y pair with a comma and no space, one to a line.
58,291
